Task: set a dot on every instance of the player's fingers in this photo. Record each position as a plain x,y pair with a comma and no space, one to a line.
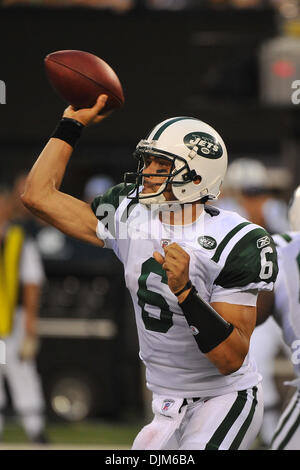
68,111
158,257
174,247
171,264
175,251
165,266
172,254
100,103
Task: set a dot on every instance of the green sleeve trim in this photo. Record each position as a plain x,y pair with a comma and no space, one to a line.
112,196
225,240
244,263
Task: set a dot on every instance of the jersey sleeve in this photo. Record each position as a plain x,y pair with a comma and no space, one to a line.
250,266
105,208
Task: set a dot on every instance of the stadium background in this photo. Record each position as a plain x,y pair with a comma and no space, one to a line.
201,58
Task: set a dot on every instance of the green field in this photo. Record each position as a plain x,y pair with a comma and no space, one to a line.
89,433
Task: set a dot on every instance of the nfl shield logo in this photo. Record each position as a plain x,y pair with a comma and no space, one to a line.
165,242
167,404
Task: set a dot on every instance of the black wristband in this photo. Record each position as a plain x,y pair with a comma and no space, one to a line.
68,130
208,327
186,287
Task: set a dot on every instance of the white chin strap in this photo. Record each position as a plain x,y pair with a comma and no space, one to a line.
162,201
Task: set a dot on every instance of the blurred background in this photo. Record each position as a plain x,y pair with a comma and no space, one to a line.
232,63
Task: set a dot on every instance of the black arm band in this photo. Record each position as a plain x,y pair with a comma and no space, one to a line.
186,287
68,130
208,327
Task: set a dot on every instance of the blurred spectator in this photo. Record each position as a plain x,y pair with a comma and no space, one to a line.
119,6
249,189
171,4
248,3
96,186
19,210
20,214
21,276
265,344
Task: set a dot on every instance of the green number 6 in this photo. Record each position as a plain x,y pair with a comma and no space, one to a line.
145,296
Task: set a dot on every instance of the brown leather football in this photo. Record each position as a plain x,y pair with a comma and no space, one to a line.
80,77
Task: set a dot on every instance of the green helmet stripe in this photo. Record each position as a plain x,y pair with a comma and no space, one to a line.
167,124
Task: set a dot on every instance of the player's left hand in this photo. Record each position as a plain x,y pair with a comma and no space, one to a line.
176,263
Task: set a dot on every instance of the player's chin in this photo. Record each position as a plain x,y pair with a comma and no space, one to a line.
150,188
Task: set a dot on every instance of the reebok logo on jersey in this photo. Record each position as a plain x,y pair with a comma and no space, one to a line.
209,243
264,241
203,144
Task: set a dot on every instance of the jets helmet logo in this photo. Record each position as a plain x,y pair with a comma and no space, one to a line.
204,145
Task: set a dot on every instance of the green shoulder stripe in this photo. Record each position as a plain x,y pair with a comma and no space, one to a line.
252,260
286,237
112,196
225,240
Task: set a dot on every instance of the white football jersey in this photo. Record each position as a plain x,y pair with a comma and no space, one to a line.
282,239
287,295
230,260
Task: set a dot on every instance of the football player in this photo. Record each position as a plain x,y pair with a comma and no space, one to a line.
193,272
284,305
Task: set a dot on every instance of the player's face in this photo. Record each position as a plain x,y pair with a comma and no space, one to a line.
157,166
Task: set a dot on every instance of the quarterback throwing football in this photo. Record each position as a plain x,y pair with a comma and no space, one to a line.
193,271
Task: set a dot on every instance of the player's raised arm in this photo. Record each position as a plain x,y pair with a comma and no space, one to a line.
42,195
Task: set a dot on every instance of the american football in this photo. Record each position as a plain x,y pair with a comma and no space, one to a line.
80,77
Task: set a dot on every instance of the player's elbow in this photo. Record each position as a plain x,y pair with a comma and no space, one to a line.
229,367
33,201
230,363
29,201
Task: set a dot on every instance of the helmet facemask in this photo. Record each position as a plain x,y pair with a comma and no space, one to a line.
179,165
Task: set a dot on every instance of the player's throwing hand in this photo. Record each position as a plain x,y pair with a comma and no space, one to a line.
88,116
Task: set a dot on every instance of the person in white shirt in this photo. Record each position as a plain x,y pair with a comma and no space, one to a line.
21,278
